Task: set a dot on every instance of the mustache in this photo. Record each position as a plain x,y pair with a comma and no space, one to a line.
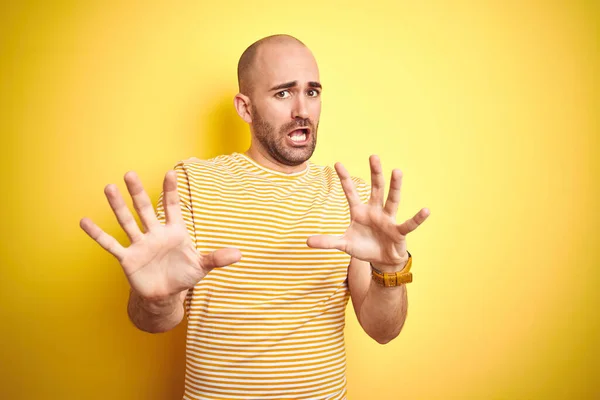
299,123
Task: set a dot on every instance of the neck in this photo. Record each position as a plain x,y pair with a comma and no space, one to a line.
263,158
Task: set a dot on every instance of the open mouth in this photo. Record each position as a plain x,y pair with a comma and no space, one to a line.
299,136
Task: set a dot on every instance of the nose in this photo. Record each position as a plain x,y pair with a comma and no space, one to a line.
300,109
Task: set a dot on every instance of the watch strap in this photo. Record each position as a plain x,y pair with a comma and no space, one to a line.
391,279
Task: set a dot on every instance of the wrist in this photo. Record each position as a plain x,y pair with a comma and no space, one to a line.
159,305
155,315
393,278
392,268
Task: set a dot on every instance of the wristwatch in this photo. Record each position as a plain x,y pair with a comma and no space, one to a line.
389,279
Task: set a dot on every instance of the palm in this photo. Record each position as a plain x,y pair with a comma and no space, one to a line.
162,261
373,234
148,262
366,240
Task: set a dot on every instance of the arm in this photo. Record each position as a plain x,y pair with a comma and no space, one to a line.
162,262
163,314
381,311
158,315
374,237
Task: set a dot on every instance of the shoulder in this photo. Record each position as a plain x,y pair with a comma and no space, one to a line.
195,165
328,172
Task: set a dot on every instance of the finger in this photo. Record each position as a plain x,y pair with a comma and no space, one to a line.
122,213
377,182
413,223
393,199
347,185
221,258
141,201
326,242
107,242
171,198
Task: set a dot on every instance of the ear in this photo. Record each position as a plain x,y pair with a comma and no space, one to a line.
242,106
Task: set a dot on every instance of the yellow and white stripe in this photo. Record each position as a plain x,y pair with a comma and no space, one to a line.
271,325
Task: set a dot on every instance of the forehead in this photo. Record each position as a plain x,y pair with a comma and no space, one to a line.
284,62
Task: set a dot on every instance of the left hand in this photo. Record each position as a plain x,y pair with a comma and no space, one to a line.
373,234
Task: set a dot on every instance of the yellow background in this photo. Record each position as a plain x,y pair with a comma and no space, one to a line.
489,108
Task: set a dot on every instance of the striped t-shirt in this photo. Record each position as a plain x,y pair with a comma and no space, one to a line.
271,325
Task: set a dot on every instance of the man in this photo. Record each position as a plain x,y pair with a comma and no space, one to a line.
263,249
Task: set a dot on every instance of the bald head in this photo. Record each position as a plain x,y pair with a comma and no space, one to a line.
280,98
248,61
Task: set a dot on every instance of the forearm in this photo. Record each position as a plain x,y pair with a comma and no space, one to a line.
155,316
383,311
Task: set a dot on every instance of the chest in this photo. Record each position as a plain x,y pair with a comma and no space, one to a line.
278,216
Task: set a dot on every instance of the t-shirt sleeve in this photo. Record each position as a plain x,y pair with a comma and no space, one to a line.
185,203
363,189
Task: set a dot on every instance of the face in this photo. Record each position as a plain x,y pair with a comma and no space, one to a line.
291,143
285,105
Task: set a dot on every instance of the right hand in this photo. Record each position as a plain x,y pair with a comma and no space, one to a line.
162,261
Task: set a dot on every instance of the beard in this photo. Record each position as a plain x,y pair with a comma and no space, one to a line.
274,140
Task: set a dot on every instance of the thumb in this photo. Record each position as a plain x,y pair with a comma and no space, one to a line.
326,242
221,258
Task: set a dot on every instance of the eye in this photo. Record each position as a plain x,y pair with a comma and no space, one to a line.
284,94
313,93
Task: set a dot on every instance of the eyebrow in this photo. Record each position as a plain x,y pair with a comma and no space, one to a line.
292,84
